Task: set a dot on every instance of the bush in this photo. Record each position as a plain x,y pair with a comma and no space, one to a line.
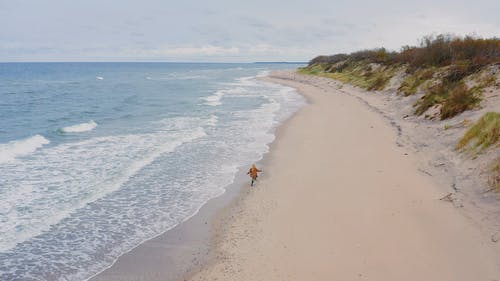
441,50
328,59
443,60
378,83
445,49
459,100
460,70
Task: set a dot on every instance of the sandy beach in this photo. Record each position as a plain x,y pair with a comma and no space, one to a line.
339,199
130,151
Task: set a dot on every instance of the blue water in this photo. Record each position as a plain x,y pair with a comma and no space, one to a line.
96,158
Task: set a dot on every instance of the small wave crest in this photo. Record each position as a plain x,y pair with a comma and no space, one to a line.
262,74
181,123
9,151
156,177
214,100
98,166
79,128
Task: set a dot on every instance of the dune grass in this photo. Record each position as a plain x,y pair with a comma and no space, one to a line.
483,134
412,82
360,74
494,179
460,98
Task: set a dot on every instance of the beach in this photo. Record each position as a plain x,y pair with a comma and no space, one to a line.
341,199
312,141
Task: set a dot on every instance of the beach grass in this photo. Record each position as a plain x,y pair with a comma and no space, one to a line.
414,81
359,74
483,134
494,180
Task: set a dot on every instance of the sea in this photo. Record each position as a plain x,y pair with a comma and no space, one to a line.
96,158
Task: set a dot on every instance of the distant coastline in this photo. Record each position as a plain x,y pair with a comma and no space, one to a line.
279,62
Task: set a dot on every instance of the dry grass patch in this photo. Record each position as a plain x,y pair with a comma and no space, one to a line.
454,98
494,179
412,82
483,134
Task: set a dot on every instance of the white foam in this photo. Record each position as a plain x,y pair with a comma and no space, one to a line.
240,87
214,100
136,193
98,166
263,73
11,150
181,123
177,76
79,128
212,121
99,78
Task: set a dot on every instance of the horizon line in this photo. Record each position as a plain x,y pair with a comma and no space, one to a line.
209,62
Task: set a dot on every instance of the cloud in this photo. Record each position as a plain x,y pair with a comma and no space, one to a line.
208,50
222,30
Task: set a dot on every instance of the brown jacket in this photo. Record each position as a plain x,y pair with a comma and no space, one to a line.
253,172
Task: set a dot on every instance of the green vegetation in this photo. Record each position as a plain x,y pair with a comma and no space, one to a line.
468,53
413,81
485,133
358,74
494,179
454,98
438,67
459,99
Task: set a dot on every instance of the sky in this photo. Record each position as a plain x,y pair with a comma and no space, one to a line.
228,31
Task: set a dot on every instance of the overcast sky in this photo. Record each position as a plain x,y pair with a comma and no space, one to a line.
227,30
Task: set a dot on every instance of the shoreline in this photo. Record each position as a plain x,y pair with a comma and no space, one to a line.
222,228
189,244
221,219
448,245
174,253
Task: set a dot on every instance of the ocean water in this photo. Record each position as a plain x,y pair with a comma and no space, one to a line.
96,158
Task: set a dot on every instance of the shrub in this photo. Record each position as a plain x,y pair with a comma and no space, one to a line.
445,49
460,70
443,60
458,100
441,50
378,83
328,59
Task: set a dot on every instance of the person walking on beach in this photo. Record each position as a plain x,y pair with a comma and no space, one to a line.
253,172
